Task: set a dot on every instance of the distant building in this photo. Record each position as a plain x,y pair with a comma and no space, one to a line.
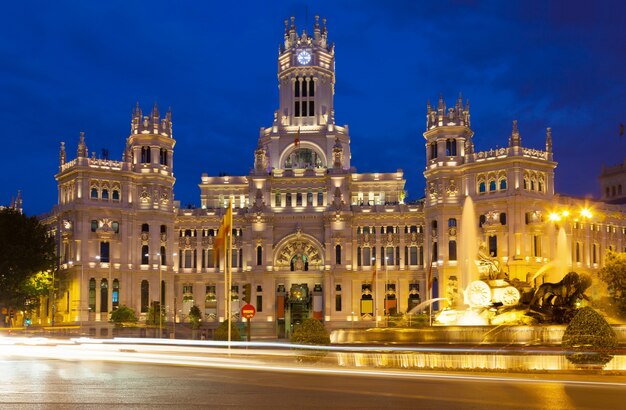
312,236
613,184
16,203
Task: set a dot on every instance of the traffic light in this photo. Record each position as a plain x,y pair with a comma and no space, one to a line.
247,292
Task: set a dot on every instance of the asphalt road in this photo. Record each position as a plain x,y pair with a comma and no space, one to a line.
51,384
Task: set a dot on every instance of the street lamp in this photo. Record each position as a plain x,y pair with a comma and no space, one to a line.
159,260
80,293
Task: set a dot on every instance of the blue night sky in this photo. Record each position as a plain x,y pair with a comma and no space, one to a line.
71,66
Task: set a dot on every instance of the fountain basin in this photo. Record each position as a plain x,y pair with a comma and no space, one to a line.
548,335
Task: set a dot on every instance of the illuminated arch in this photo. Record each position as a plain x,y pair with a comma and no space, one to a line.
303,147
302,247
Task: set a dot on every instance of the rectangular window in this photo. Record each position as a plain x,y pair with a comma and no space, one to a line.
536,245
277,199
288,199
389,256
367,257
309,198
259,303
311,108
413,255
338,302
493,246
234,258
296,111
299,199
188,258
304,107
104,251
320,198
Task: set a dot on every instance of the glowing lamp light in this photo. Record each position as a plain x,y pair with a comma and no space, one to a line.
586,213
554,217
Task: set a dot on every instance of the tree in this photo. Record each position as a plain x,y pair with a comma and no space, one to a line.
614,275
194,317
152,316
221,333
589,339
27,259
123,314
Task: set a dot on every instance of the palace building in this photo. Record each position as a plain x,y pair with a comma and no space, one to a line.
312,237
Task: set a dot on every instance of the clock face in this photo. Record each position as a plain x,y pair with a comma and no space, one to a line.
304,57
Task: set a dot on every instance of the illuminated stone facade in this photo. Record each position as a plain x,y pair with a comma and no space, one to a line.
312,236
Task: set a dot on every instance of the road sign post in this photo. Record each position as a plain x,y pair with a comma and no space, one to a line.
248,311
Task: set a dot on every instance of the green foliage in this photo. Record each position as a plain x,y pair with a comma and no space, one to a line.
27,258
152,316
123,314
614,275
311,332
402,320
221,333
590,338
194,317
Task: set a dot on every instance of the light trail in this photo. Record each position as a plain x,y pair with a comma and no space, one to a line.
218,358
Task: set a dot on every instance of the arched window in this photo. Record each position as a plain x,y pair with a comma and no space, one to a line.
540,185
296,88
452,223
145,255
526,182
104,295
146,156
503,184
145,295
451,147
115,296
492,185
105,194
145,228
482,187
116,195
433,150
163,156
94,193
259,255
338,254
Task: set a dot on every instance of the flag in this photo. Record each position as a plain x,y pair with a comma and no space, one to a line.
296,141
222,233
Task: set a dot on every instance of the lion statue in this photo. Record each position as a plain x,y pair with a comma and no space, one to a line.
562,294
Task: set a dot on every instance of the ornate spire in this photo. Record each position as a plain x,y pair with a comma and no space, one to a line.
515,140
62,154
82,147
549,139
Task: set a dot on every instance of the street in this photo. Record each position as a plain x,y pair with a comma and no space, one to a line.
71,383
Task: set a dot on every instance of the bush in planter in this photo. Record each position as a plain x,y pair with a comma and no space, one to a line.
123,314
221,333
589,338
311,332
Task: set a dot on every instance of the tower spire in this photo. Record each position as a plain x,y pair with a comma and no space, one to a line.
82,147
549,139
515,140
62,154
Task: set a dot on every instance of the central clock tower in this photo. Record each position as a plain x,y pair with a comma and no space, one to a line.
306,77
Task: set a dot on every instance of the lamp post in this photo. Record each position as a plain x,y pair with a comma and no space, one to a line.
80,294
158,255
386,289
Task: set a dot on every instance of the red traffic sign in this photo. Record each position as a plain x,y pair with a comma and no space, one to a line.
248,311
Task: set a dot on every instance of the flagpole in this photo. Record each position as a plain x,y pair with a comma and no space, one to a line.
229,273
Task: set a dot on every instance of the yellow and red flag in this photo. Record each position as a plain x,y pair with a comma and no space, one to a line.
222,233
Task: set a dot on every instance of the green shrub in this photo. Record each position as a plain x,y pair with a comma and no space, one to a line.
194,317
221,333
152,316
123,314
310,332
589,338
